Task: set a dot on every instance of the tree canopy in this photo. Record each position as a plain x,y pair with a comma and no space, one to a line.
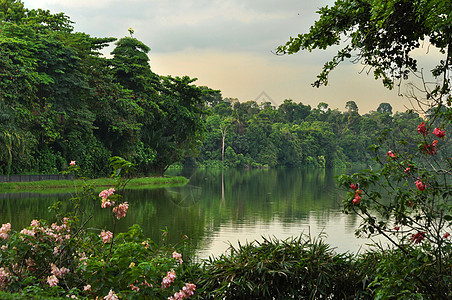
382,35
64,101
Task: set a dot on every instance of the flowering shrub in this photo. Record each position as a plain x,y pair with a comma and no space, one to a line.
66,259
407,200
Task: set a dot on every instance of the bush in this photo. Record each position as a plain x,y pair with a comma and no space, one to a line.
273,269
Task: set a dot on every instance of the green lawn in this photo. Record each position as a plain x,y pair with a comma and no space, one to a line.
61,186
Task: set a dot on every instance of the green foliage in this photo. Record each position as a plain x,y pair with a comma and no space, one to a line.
64,102
294,135
381,34
275,269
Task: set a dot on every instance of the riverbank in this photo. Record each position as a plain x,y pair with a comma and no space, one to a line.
61,186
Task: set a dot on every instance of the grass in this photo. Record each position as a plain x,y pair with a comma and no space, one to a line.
62,186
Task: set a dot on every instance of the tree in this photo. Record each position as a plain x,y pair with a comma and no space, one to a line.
407,197
351,107
382,35
384,108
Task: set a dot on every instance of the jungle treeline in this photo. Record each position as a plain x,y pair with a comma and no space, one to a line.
296,135
61,100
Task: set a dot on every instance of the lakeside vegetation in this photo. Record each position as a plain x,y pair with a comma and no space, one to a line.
62,101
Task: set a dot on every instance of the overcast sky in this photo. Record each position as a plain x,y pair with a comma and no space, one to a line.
228,46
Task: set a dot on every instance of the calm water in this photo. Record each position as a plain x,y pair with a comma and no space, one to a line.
216,208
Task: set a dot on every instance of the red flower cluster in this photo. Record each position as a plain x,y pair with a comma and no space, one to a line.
357,198
417,237
391,154
430,149
439,133
422,129
420,185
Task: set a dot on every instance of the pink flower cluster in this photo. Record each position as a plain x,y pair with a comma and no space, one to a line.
178,256
187,291
4,230
111,296
4,275
52,280
56,232
106,193
58,272
106,236
168,279
121,210
137,287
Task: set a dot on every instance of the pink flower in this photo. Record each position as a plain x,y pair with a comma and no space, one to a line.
105,203
106,236
4,247
420,185
178,256
168,279
422,129
34,223
391,154
353,186
418,237
4,277
52,280
446,235
107,193
58,272
439,133
186,292
134,288
407,170
111,296
72,163
4,230
357,199
121,210
87,287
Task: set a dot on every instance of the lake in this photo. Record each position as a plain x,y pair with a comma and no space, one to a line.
219,207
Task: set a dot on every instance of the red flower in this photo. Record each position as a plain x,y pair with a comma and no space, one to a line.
446,235
417,237
439,133
353,186
422,129
420,185
430,149
357,199
397,228
391,154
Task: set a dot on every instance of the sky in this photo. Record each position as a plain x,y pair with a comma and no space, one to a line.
228,45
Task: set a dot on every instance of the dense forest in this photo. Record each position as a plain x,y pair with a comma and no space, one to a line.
61,99
296,135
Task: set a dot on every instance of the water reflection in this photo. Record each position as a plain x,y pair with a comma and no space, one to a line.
219,207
